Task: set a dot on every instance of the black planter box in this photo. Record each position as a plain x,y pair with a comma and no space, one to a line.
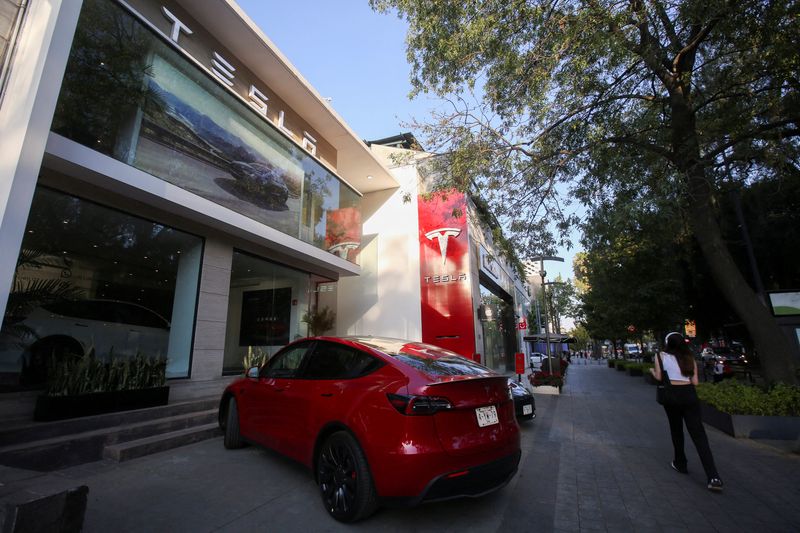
635,372
610,363
752,426
97,403
649,379
620,368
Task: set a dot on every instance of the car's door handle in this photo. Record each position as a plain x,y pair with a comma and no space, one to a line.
326,394
81,325
278,390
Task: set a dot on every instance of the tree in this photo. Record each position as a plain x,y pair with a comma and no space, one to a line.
633,268
561,302
582,338
675,98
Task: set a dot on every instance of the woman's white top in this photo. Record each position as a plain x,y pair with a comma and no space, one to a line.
671,366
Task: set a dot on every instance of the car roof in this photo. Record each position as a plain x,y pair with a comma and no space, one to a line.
433,361
394,347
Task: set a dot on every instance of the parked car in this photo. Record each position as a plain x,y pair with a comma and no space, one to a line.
524,404
632,350
73,327
727,354
378,420
536,359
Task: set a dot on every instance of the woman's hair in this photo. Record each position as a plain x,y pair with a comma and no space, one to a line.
675,345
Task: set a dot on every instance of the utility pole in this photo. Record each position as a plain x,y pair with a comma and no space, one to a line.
543,274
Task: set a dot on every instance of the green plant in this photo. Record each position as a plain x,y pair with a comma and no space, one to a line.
76,375
546,378
28,292
254,357
319,320
737,398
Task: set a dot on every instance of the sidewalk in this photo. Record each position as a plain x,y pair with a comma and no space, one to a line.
611,447
596,458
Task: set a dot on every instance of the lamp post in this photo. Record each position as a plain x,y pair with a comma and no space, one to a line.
542,273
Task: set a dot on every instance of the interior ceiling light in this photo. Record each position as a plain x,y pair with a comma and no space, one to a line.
369,177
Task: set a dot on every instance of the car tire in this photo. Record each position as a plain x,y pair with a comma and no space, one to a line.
232,439
344,479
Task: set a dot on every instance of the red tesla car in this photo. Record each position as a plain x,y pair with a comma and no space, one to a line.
378,421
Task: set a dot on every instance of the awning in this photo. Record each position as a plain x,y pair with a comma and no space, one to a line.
559,338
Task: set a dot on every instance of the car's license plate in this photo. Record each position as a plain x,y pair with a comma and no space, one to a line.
487,416
527,409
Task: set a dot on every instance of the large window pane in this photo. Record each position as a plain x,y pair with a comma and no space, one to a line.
89,277
266,306
132,96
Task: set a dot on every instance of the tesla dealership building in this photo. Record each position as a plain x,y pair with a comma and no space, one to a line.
171,185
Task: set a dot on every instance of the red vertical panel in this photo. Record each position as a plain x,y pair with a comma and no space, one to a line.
447,315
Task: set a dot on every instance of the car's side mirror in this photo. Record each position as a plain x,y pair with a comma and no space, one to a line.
253,372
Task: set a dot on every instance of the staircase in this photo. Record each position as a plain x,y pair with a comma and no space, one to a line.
48,446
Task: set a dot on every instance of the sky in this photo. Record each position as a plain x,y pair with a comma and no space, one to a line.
357,58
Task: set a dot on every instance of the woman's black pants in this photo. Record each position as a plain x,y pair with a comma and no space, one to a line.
690,414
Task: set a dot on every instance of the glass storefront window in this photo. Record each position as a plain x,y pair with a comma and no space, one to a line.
499,333
132,96
89,277
266,306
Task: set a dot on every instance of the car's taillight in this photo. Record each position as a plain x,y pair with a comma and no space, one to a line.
419,405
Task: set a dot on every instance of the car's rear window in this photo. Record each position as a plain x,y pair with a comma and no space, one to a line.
427,358
444,366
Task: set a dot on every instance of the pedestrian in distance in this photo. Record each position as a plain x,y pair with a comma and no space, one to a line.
676,363
719,370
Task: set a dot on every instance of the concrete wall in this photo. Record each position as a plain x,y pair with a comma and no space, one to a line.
212,311
385,299
26,112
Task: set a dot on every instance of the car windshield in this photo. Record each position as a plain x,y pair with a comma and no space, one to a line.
427,358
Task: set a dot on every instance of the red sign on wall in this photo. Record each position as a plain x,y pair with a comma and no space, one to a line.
519,359
447,315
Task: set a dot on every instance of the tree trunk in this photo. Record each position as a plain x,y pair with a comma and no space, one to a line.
774,350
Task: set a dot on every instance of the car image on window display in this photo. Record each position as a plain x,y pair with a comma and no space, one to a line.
378,421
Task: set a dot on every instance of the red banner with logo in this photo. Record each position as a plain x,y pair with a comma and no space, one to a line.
343,232
447,314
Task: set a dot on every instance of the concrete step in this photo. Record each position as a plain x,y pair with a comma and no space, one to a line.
28,431
125,451
61,451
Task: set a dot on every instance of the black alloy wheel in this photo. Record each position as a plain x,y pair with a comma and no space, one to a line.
232,439
344,479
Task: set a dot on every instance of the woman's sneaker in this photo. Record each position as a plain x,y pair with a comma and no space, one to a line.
715,484
681,469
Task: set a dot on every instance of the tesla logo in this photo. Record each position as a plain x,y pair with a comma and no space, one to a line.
442,235
341,249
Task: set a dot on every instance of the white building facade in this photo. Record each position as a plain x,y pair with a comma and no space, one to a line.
171,186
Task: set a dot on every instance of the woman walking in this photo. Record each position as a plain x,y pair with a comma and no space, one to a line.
679,367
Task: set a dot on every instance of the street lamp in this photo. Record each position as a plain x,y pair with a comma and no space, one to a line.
542,273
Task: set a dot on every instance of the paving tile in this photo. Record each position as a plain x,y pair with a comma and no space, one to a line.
595,459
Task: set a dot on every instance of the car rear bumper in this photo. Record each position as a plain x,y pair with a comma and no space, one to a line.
519,408
472,482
